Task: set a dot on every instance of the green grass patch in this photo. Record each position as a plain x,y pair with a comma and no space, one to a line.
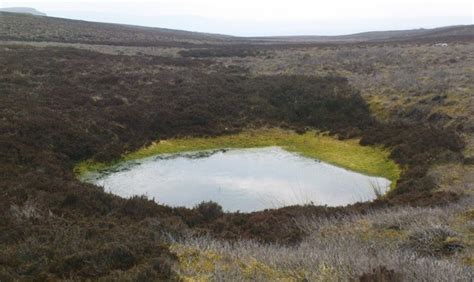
348,154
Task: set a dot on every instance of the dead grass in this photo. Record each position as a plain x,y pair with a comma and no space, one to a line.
399,81
418,243
454,177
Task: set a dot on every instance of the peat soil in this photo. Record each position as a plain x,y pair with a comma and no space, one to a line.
59,106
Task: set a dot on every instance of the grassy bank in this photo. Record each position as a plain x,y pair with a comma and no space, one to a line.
348,153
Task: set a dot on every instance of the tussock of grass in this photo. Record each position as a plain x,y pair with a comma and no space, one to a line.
196,264
348,153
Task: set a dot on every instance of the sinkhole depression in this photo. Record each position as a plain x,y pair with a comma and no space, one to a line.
245,180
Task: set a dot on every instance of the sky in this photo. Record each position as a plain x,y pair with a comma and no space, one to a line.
264,17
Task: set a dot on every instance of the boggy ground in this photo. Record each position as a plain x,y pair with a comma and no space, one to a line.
60,106
347,153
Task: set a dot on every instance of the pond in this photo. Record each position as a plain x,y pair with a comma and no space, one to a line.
243,180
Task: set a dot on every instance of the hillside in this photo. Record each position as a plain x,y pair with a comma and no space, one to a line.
14,26
449,33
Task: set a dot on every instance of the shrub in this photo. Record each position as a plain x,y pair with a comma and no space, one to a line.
209,210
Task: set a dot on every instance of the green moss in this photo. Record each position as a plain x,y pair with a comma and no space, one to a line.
348,153
89,166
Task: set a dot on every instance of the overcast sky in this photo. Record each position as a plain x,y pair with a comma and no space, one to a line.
264,17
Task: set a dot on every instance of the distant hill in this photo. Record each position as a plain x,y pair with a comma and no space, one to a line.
23,10
449,32
17,26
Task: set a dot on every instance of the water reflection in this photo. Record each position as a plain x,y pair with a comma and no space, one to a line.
239,179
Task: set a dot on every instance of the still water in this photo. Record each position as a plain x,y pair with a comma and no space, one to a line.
239,179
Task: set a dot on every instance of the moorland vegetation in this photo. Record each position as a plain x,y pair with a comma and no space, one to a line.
63,105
